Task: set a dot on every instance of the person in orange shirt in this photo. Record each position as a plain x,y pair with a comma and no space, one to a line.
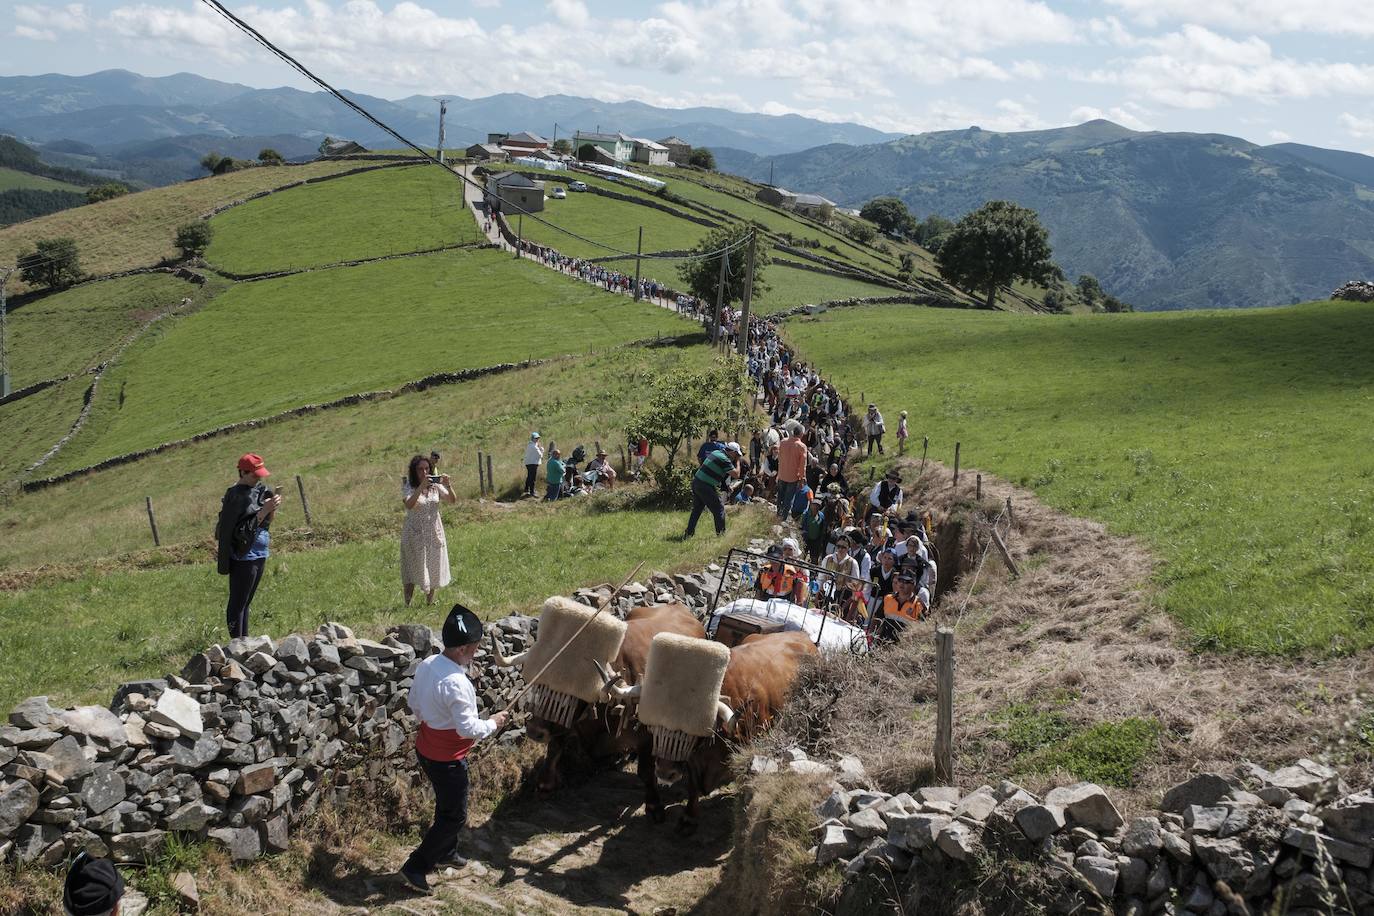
780,580
900,609
792,457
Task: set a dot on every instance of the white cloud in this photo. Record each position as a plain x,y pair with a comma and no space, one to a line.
1280,136
45,23
1358,127
1336,17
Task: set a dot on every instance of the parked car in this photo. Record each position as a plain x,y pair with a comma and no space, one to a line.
577,186
559,193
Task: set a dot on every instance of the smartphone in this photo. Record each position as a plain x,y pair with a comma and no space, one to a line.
276,491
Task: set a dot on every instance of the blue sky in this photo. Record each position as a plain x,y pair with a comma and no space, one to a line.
1266,70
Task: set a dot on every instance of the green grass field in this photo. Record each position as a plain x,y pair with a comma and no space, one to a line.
1236,445
13,179
31,426
362,216
76,640
260,348
137,230
610,222
789,286
350,459
72,330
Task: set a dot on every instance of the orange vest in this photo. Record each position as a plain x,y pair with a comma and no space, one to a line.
911,610
777,584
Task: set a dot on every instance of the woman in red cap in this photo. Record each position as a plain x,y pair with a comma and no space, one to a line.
244,517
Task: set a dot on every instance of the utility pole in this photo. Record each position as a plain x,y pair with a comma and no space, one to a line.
743,333
443,110
770,173
4,336
720,300
519,233
639,249
555,136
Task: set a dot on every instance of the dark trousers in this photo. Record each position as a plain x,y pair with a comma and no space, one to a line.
450,782
530,471
875,440
705,496
244,576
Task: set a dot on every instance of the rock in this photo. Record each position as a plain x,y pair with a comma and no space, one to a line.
256,779
28,739
96,722
1351,818
177,710
836,843
1100,872
956,841
33,842
197,669
335,631
324,657
1228,860
1204,790
1085,804
242,843
1036,822
1355,291
133,730
103,789
948,794
192,817
1091,847
1003,817
184,887
1204,820
418,636
148,688
192,755
1144,838
1133,875
1310,841
914,832
139,846
850,772
1177,847
275,833
901,803
18,802
259,662
867,823
809,768
68,759
1308,780
160,731
233,672
836,805
34,713
977,805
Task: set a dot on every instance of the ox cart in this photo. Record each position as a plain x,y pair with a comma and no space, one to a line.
736,611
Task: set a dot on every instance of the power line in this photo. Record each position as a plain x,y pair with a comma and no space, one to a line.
300,68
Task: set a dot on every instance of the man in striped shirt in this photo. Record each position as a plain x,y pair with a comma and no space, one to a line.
718,466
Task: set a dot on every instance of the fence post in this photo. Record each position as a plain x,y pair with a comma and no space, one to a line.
1006,555
152,521
925,447
481,482
956,464
624,465
1011,519
979,493
944,699
491,484
305,503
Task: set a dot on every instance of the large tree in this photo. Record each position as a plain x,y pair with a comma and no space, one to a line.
889,214
995,245
702,158
702,274
52,263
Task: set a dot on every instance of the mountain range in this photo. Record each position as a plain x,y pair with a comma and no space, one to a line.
1163,220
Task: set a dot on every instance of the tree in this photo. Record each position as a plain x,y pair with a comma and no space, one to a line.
107,191
862,233
702,158
825,212
210,161
269,156
994,245
53,263
230,164
906,267
702,275
1089,289
931,232
1055,301
193,238
889,214
1113,304
562,146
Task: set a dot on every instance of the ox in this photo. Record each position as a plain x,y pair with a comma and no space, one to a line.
603,731
762,671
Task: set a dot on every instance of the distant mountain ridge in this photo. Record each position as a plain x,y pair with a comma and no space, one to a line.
1164,220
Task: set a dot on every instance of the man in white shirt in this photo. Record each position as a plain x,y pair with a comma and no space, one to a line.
443,700
534,456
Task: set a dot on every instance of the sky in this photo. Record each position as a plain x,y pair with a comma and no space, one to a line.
1265,70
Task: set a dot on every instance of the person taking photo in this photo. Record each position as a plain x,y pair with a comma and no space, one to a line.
424,548
243,539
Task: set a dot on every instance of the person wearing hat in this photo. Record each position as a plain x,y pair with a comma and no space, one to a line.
901,608
245,515
719,466
846,592
604,472
93,888
534,456
445,704
873,425
887,495
778,579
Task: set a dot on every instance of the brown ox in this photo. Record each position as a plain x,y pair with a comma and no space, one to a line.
598,728
762,671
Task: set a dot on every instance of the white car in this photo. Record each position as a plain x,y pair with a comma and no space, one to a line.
577,186
559,193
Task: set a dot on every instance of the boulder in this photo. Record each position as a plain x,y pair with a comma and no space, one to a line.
147,688
68,758
1100,872
1310,842
103,789
809,768
187,894
177,710
96,722
259,662
956,840
850,772
1036,822
1204,790
914,832
416,635
324,657
256,779
1227,859
836,805
1133,875
33,844
1204,820
1308,780
947,794
1086,805
18,801
242,843
977,805
138,846
836,843
34,713
28,739
197,669
1144,838
192,817
1351,818
867,823
293,653
188,754
276,833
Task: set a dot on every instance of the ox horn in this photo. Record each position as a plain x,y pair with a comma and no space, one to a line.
500,659
608,681
726,716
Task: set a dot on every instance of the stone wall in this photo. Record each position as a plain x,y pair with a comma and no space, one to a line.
1297,838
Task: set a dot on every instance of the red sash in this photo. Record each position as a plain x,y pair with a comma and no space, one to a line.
442,745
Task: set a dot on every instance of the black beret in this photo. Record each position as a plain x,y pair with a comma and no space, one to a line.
93,887
461,627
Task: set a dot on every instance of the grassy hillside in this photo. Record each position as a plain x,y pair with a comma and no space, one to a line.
12,179
136,230
361,216
74,329
263,347
32,425
1235,444
610,222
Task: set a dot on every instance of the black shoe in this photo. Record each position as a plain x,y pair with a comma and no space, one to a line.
415,880
454,861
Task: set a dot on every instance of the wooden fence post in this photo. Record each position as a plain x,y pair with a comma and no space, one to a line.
1011,519
944,700
624,464
925,447
491,482
956,464
1006,555
481,481
305,503
152,521
979,492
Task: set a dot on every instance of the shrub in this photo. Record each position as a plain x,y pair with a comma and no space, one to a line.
107,191
193,238
269,156
52,263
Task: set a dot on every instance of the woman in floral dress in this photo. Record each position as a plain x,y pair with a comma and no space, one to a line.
424,550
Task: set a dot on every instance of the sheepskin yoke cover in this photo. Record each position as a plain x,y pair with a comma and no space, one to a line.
573,673
682,680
